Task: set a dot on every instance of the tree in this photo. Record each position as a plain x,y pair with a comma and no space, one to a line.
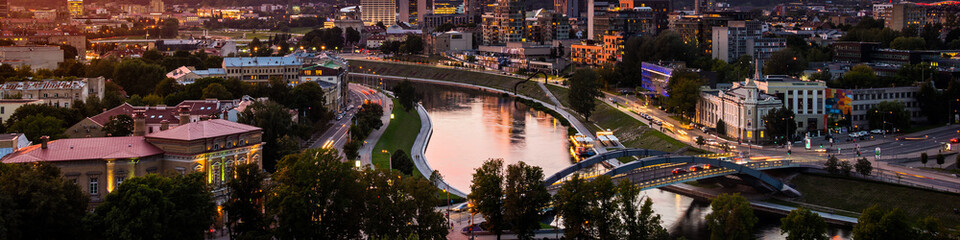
732,217
780,124
803,224
309,97
413,44
846,168
353,36
684,90
156,207
39,125
940,160
315,197
37,203
152,100
889,116
640,223
275,120
930,228
864,167
859,76
216,90
486,193
571,202
351,149
119,125
244,216
924,158
138,77
524,196
785,62
584,89
721,127
69,116
401,161
881,223
422,196
700,141
407,94
908,43
603,222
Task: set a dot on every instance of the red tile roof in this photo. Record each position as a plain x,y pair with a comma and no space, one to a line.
156,114
204,129
85,149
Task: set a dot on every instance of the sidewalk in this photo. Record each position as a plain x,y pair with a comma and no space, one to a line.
419,150
366,151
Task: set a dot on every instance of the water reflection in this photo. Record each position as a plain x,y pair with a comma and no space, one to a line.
471,126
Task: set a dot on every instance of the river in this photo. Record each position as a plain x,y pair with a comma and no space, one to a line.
471,126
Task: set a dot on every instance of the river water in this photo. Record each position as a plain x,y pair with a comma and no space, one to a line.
471,126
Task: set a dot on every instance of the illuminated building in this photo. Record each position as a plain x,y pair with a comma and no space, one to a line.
374,11
446,7
213,147
598,54
75,7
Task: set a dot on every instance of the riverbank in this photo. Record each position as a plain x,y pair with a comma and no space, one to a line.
756,202
857,194
399,135
419,149
631,132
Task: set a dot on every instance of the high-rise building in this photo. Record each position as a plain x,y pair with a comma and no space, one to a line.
412,11
374,11
75,7
4,8
632,22
882,11
446,7
572,8
906,14
509,16
660,8
156,6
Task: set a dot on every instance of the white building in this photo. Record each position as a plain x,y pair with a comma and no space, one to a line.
187,75
805,98
740,110
260,69
37,57
373,11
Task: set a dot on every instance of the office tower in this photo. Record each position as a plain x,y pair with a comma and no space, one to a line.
906,14
373,11
661,8
510,16
156,6
446,7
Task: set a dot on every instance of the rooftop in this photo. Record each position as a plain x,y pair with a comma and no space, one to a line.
260,61
203,129
85,148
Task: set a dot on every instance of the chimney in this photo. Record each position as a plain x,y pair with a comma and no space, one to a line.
184,114
164,125
43,142
139,122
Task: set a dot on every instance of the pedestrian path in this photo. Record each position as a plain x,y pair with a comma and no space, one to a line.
419,150
366,151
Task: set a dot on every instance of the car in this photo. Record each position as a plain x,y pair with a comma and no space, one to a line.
472,228
876,131
339,116
695,168
463,207
704,129
820,150
679,171
954,140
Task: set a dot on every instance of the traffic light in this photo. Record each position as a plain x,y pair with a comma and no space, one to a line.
858,153
789,152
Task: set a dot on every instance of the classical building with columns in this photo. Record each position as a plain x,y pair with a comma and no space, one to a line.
805,98
740,110
100,164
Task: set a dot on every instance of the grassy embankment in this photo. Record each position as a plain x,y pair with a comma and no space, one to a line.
856,195
631,132
400,134
449,74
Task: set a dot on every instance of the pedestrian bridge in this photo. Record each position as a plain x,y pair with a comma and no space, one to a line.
653,170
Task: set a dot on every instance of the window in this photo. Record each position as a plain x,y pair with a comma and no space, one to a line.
120,180
2,110
94,186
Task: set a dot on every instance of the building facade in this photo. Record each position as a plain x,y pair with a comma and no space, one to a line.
56,93
261,69
37,57
807,99
374,11
739,110
598,54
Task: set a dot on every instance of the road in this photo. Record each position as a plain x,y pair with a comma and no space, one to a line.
337,135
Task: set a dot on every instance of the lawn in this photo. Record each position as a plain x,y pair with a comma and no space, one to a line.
301,30
857,195
400,134
631,132
448,74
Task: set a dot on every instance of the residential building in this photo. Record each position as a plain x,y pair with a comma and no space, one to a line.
374,11
446,7
740,110
56,93
906,14
37,57
156,6
213,147
156,118
883,11
431,21
261,69
509,16
544,26
856,103
9,106
638,21
186,75
661,9
854,52
571,8
807,99
331,75
10,142
452,41
611,50
870,52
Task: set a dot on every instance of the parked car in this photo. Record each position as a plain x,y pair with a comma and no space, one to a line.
876,131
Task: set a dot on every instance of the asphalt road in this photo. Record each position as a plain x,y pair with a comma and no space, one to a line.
336,135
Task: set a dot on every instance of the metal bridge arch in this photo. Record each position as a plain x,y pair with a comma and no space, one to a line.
517,85
597,159
657,157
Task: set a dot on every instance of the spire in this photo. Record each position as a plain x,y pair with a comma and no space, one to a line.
756,68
